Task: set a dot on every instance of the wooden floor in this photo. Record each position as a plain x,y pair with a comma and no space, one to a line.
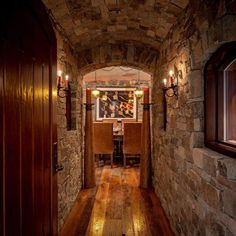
117,206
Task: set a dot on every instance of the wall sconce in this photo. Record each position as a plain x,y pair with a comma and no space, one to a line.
138,92
96,92
170,85
170,89
62,92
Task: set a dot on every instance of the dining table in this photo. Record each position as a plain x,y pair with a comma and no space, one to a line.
118,141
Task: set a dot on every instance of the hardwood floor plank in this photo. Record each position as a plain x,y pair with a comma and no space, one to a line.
98,215
117,207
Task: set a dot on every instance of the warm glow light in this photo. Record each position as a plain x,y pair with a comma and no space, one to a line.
54,93
59,73
171,72
67,77
104,97
165,82
138,92
96,93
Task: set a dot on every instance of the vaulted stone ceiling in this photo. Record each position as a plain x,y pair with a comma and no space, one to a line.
90,23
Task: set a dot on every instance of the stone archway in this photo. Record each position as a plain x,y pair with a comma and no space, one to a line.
136,56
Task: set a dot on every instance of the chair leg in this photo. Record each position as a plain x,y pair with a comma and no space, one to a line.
124,160
111,160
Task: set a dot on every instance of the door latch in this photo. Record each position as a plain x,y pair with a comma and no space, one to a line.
57,167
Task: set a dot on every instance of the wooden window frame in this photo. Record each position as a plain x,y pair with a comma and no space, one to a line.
213,92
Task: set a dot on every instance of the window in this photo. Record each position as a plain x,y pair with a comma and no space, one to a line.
220,100
230,103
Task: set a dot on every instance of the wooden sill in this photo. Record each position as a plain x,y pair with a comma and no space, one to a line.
223,148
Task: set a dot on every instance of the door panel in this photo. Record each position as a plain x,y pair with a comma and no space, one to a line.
12,141
26,81
2,202
27,144
27,66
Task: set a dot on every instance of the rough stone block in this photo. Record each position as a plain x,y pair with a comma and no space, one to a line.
211,195
181,152
207,160
111,28
121,27
227,168
198,109
194,181
196,84
229,202
196,139
151,33
198,157
181,126
172,122
209,165
197,124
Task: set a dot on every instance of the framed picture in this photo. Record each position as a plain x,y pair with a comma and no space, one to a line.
116,103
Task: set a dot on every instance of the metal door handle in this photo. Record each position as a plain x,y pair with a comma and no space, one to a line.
59,167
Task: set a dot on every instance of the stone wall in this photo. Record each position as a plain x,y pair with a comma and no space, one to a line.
69,141
197,186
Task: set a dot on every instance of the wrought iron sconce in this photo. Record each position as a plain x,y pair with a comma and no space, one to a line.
62,91
170,86
95,92
170,89
139,91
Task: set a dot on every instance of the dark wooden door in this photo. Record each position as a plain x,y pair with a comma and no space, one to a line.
27,121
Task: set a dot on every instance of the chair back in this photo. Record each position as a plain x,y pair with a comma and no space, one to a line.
113,121
103,138
132,138
127,121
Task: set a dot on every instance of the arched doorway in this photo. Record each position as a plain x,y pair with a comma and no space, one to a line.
125,54
115,85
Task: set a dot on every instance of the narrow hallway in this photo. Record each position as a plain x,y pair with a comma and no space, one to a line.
117,207
83,82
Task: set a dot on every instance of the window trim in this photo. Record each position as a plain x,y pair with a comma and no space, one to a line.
218,62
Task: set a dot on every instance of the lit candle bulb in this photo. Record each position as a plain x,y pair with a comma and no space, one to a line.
67,80
165,82
59,73
171,73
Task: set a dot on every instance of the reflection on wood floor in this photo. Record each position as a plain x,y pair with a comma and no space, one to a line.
117,207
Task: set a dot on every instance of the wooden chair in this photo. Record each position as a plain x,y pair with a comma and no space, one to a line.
132,140
103,139
127,121
113,121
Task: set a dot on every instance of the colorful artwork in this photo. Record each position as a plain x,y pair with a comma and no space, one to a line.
116,103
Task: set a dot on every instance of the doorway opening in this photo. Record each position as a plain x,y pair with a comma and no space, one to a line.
117,114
